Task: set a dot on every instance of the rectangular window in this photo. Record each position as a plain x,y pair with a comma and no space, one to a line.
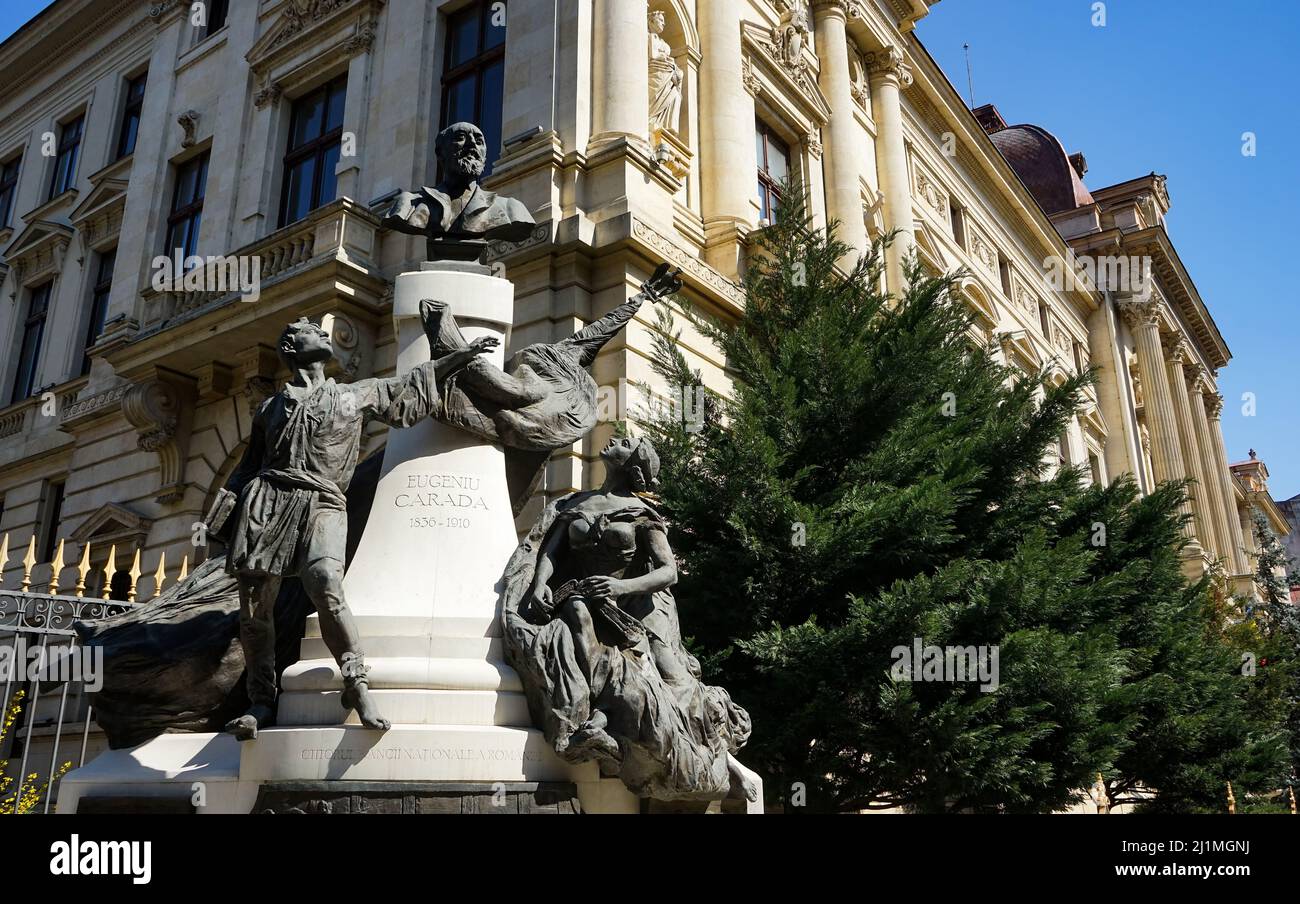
773,169
473,76
217,12
1004,274
958,217
51,515
1045,321
131,116
187,207
99,304
8,188
29,349
315,140
65,163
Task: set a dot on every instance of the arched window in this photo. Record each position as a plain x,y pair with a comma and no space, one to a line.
473,77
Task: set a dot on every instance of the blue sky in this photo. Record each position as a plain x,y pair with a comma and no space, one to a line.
1169,86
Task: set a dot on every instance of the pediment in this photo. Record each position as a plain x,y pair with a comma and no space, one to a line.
310,24
38,251
98,218
1020,351
928,244
104,194
794,74
112,522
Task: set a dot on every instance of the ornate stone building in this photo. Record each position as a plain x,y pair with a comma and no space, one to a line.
272,131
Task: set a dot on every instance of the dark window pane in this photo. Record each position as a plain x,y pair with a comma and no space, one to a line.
460,100
494,26
308,116
29,346
464,38
297,189
334,113
328,178
493,78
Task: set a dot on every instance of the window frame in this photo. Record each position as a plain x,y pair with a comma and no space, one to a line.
9,184
316,148
99,297
189,212
68,149
134,106
52,500
210,29
476,67
769,189
36,321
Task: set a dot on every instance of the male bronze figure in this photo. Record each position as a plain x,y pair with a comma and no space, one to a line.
459,217
287,503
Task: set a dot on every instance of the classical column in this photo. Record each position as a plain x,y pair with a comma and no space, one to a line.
842,165
1209,467
620,71
1143,318
1206,521
889,74
728,162
1213,409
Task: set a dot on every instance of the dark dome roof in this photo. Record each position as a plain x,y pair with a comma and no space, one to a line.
1042,164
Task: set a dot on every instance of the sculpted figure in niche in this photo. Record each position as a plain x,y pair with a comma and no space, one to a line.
590,623
665,79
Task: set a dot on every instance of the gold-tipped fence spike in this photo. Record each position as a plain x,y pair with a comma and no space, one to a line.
1232,801
110,565
29,562
135,576
4,557
160,574
1290,793
185,568
83,569
56,566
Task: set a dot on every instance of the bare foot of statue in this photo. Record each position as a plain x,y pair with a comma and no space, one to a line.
742,787
357,696
245,727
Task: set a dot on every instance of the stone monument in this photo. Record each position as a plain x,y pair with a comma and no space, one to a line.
433,586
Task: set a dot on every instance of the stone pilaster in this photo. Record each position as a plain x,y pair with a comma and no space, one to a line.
842,164
620,72
728,162
1143,318
1213,409
889,74
1206,513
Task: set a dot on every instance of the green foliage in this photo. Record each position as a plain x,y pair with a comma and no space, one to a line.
878,476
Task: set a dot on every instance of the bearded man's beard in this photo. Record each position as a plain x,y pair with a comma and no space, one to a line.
468,164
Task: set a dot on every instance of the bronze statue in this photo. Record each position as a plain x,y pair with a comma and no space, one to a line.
591,625
459,216
286,504
544,400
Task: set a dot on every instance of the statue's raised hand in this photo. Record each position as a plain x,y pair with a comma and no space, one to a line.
484,344
666,280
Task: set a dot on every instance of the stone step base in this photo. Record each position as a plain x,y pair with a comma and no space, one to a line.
404,753
413,646
487,625
414,706
406,672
